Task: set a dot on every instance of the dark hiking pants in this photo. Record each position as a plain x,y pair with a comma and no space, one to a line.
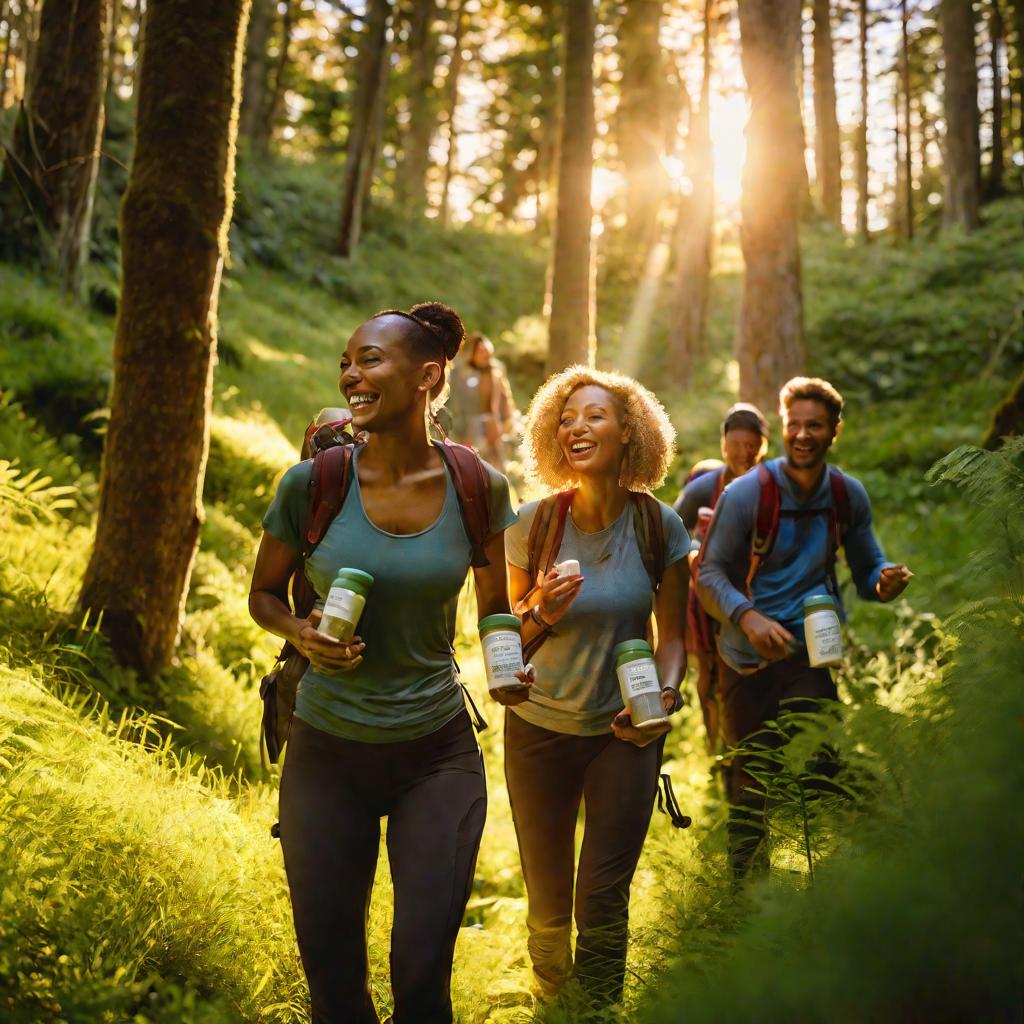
333,794
548,775
747,702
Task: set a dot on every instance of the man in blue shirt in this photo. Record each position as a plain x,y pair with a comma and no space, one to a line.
761,643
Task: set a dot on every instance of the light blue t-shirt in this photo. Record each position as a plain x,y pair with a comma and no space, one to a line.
406,685
576,689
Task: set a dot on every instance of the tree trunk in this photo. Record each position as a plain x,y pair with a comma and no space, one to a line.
251,120
770,340
963,164
862,128
275,92
174,224
376,136
997,38
639,118
1017,13
8,51
451,91
372,54
571,324
1008,418
694,235
827,157
908,149
50,171
411,173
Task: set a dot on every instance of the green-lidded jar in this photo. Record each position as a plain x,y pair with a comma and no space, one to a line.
345,603
502,643
638,682
822,631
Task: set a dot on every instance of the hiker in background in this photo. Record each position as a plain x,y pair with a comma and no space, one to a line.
602,442
744,442
773,543
481,410
380,727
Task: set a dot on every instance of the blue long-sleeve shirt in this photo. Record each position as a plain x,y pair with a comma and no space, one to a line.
796,567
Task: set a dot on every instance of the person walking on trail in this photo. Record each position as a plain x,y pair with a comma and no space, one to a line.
601,442
745,437
482,412
772,543
380,727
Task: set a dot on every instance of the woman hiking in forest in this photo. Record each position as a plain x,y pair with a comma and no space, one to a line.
601,441
380,727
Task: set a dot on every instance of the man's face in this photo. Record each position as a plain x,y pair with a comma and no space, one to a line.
807,433
741,450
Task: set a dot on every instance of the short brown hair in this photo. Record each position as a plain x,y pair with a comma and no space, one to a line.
815,389
651,434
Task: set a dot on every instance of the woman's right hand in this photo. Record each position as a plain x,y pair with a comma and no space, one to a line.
324,652
556,594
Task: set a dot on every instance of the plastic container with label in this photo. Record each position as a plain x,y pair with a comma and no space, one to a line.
344,605
502,643
822,631
639,683
570,567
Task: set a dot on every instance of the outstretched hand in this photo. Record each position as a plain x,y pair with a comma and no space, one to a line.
324,652
510,696
892,582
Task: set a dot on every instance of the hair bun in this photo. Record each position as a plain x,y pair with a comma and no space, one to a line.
446,322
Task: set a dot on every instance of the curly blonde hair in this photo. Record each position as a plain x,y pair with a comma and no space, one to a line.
652,437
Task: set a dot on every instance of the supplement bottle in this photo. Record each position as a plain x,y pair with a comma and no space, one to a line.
503,650
345,603
638,682
822,632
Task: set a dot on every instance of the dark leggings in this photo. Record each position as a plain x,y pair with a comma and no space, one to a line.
548,774
333,794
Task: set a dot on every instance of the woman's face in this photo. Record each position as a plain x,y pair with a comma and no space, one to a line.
381,380
592,433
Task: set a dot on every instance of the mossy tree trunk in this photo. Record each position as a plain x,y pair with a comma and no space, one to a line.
770,339
1008,418
571,323
174,223
827,159
411,173
962,150
49,174
252,122
997,41
360,145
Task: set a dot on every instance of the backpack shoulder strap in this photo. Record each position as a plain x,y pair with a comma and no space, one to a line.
766,523
546,533
650,535
719,486
473,489
838,520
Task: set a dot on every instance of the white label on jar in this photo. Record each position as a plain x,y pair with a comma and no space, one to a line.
824,638
344,605
503,657
638,677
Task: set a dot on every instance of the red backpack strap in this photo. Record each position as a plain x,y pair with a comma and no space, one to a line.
473,489
546,532
838,520
650,535
719,487
766,524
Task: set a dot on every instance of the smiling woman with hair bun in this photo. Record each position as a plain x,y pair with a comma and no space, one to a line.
380,727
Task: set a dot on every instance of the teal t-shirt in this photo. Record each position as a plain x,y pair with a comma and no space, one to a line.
576,689
406,685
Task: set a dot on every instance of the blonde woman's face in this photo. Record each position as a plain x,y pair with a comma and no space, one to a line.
591,432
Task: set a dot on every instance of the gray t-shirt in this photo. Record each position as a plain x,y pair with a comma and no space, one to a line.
576,690
406,685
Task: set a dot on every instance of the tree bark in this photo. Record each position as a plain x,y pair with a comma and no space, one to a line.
571,324
908,149
275,91
963,163
8,51
49,175
1008,418
1017,13
997,38
695,233
451,92
827,157
411,173
862,128
770,339
639,118
251,120
372,54
174,224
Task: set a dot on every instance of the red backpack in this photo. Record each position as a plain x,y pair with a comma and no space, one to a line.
329,483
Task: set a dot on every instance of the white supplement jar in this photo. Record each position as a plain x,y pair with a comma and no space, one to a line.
822,632
502,643
570,567
345,603
639,683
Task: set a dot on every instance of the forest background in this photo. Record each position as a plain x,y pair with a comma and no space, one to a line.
711,195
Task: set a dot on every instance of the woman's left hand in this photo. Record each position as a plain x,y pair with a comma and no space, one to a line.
624,729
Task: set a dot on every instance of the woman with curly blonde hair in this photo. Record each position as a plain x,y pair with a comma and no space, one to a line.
601,442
